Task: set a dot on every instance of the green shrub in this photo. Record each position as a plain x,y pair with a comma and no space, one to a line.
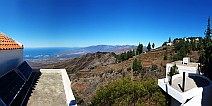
154,67
174,70
127,92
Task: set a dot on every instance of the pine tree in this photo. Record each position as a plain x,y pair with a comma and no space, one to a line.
206,53
139,49
149,47
153,45
207,42
208,30
199,44
165,55
169,40
137,67
133,52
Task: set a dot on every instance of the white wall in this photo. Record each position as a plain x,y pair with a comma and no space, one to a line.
182,69
10,59
197,96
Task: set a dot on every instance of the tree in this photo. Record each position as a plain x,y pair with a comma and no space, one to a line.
199,44
133,52
153,45
208,30
128,54
164,43
174,70
137,67
207,41
169,40
206,53
154,67
149,47
125,55
182,48
194,45
139,49
165,55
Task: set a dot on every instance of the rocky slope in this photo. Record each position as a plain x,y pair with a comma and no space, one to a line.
93,70
85,63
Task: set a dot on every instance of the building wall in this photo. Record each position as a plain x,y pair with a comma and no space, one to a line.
10,59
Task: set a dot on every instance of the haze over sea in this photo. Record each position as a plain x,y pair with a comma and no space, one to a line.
56,54
41,53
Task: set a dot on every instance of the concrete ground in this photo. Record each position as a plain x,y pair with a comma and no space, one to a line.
190,82
48,91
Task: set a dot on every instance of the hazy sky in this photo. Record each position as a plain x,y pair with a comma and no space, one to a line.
78,23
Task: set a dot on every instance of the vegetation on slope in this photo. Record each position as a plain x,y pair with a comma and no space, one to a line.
127,92
91,71
129,54
206,52
184,46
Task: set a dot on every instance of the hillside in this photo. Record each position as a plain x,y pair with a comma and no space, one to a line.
85,63
93,70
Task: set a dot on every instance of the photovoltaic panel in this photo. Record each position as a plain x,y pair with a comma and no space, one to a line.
25,69
10,85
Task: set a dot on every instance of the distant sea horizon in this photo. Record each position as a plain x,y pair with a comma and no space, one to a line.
44,52
55,54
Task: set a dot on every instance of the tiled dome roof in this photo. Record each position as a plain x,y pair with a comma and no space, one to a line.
7,43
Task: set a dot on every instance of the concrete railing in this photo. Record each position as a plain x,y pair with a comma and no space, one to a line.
171,91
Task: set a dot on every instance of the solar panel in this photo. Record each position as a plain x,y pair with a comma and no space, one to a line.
25,69
10,85
20,74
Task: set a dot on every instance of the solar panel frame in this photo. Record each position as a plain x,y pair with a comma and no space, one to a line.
20,74
25,69
10,85
2,103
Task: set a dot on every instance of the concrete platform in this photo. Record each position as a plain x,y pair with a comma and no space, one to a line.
190,82
48,91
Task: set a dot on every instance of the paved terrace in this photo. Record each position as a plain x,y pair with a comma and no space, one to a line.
52,87
48,91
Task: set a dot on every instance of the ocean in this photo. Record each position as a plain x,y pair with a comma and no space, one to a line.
41,53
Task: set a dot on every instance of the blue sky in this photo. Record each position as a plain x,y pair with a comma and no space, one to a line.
79,23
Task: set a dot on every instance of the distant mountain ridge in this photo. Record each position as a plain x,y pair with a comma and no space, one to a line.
108,48
92,49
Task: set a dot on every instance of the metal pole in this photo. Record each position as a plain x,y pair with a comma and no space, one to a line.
170,82
183,82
